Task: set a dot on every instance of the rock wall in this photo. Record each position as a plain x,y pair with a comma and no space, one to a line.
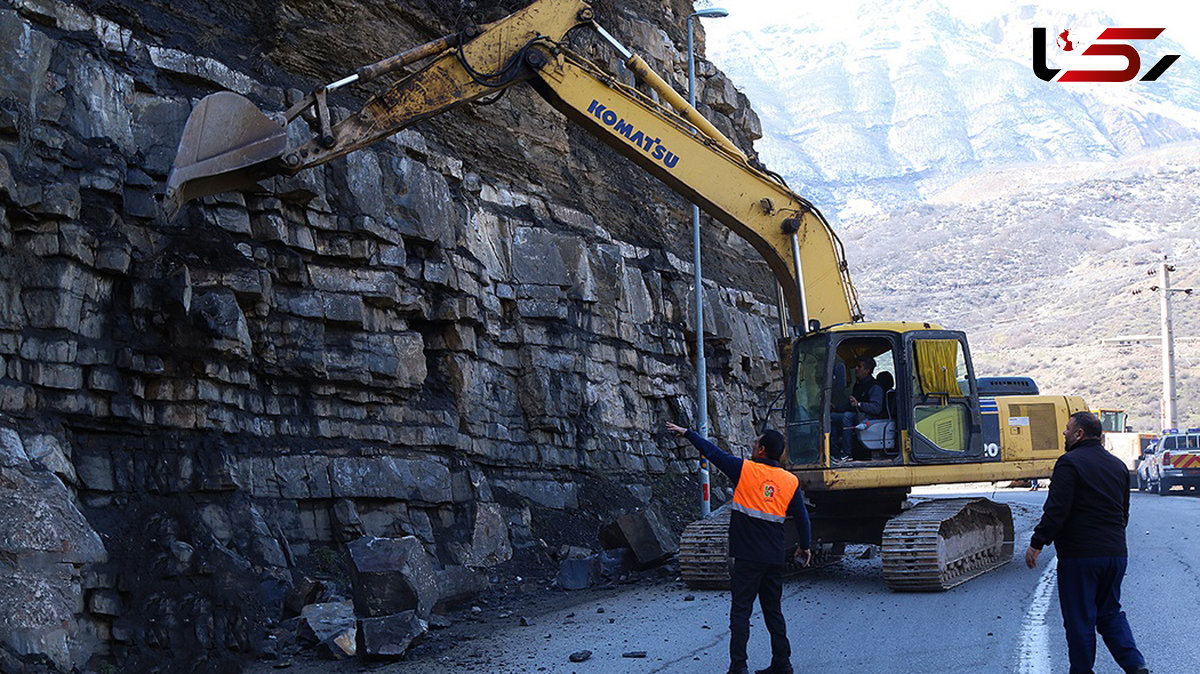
469,333
52,604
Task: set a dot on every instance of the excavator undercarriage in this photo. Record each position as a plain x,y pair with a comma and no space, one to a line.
936,545
704,560
930,546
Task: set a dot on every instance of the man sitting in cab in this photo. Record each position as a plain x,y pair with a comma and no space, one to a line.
866,401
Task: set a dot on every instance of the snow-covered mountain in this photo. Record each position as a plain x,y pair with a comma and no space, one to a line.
868,106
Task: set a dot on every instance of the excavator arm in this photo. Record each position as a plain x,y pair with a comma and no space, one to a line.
228,143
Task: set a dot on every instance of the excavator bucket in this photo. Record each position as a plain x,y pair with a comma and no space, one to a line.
227,143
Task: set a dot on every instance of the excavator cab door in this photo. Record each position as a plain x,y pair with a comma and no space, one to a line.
942,401
807,399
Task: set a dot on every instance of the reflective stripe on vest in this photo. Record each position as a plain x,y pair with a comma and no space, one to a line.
764,491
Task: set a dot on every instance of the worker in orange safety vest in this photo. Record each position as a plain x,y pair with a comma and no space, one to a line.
762,500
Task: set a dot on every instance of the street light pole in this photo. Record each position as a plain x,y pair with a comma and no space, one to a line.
701,365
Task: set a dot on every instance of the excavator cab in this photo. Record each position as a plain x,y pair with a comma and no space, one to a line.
931,416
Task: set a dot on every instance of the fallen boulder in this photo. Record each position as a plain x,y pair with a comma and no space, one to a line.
319,622
642,532
457,584
304,592
577,573
46,545
391,576
389,636
341,646
615,563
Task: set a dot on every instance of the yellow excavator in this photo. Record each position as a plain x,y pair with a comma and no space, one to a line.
937,428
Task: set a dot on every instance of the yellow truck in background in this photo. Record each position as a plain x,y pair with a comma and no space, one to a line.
1121,441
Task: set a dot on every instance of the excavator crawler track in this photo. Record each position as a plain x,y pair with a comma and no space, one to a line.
704,552
704,560
936,545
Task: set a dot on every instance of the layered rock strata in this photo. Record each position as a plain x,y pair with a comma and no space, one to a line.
468,334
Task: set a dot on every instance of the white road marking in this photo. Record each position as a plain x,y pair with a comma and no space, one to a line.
1035,633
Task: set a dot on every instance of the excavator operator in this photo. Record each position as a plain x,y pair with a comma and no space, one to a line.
865,400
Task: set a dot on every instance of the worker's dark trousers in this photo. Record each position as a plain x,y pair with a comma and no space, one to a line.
1089,593
765,581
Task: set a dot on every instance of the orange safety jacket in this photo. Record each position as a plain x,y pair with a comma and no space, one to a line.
764,492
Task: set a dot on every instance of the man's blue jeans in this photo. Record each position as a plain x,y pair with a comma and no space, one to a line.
1089,594
841,432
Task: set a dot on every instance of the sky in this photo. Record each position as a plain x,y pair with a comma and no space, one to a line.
1181,18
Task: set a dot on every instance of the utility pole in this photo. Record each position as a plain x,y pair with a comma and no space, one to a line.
1166,337
1168,346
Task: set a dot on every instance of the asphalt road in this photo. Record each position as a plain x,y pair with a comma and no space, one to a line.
842,618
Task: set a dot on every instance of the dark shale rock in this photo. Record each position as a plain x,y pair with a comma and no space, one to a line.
642,532
457,584
615,563
456,330
46,451
45,543
304,592
320,622
345,515
12,449
340,646
392,575
577,573
489,543
390,477
388,637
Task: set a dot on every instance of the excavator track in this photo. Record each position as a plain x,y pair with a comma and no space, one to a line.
936,545
704,560
704,552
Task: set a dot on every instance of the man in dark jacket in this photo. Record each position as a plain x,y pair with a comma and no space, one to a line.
763,498
1085,516
866,400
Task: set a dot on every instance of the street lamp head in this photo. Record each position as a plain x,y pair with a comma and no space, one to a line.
711,13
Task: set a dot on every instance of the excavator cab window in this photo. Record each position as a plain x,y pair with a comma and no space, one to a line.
1111,421
945,417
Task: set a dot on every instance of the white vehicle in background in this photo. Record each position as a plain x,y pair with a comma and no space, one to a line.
1173,461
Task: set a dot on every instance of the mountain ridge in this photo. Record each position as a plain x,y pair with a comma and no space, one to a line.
1040,265
901,104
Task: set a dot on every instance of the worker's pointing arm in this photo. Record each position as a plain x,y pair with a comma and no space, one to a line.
727,463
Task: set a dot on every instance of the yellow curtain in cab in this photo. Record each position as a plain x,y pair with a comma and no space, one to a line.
937,362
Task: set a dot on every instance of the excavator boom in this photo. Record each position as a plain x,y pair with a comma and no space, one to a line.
228,143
